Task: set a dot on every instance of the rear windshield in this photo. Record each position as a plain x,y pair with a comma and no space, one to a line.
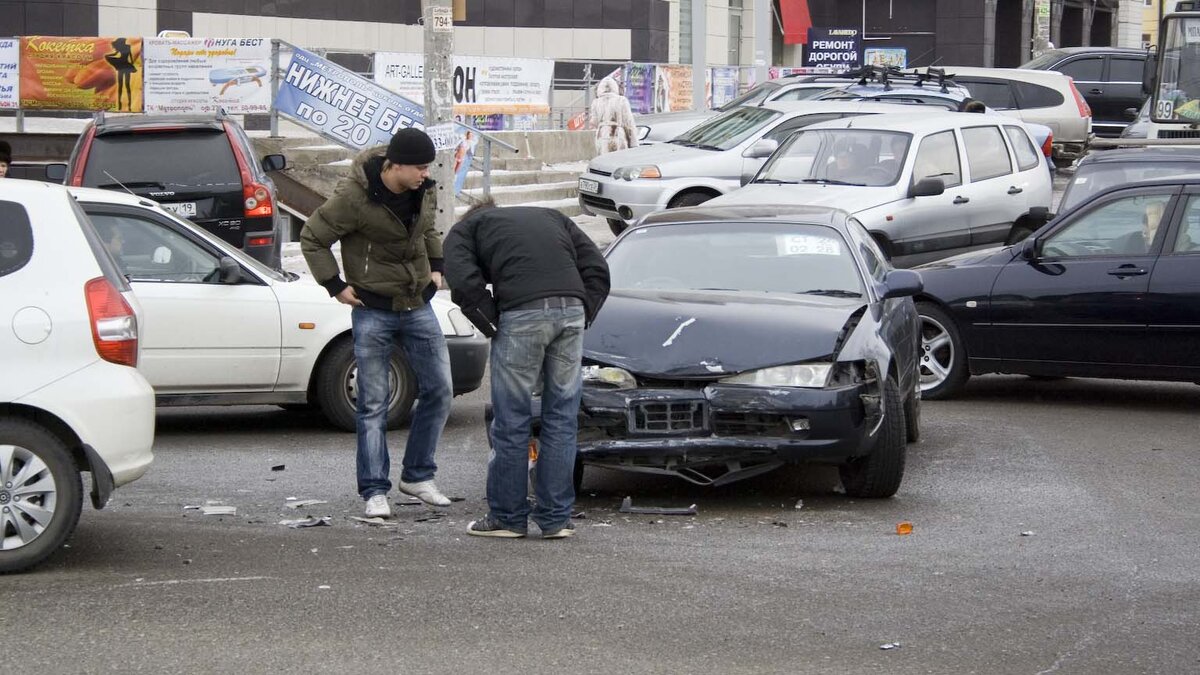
178,158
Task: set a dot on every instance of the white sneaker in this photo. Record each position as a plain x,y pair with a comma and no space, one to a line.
378,507
426,491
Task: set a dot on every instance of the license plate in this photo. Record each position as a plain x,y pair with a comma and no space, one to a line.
588,185
185,209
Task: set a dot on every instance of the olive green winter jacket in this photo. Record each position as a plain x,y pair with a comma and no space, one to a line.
379,254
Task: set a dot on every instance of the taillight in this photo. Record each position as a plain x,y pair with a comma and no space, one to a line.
85,148
259,241
1084,109
114,325
1048,145
256,198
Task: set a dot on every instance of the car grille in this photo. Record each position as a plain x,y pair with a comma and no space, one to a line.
1178,133
748,424
598,172
667,417
598,202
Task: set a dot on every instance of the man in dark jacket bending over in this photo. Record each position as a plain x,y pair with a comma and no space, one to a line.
548,282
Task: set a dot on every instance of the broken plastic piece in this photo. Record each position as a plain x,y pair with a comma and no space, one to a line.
799,504
279,467
1028,533
311,521
304,502
628,507
219,510
375,521
904,527
890,645
579,515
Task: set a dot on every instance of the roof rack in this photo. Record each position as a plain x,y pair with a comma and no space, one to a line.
886,74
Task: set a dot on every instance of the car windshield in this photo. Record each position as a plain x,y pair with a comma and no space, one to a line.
736,256
1092,179
754,96
1044,61
162,160
726,130
839,157
229,250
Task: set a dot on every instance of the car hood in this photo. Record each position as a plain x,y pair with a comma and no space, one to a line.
705,334
852,198
994,254
659,154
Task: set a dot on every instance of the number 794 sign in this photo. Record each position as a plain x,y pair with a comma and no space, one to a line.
441,19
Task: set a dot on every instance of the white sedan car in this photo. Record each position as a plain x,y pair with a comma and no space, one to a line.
222,329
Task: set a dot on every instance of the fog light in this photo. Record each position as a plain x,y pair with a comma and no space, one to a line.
799,423
625,212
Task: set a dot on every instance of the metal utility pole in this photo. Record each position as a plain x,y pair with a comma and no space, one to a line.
699,52
762,39
439,101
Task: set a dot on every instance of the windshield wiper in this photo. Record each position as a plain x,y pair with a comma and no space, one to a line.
831,292
775,181
132,184
715,289
831,181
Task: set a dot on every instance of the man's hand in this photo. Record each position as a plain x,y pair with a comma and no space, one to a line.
437,279
349,297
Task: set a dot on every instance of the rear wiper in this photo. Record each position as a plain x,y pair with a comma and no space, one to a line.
830,181
139,184
831,292
775,181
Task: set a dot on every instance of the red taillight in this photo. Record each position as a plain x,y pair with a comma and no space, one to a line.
256,198
114,325
260,241
1084,109
1048,145
85,148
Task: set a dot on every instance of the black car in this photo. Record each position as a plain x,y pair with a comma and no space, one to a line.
1102,170
736,340
1109,289
200,167
1110,79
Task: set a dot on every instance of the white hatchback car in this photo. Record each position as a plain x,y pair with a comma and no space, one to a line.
223,329
71,397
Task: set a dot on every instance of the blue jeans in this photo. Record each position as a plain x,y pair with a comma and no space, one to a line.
376,333
531,344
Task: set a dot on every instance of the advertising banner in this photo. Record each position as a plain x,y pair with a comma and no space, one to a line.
834,47
639,87
342,106
482,85
724,86
672,88
203,75
81,73
10,74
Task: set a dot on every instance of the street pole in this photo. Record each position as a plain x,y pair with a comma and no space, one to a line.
762,39
699,50
439,101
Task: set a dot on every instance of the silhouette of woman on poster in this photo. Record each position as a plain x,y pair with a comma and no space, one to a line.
122,61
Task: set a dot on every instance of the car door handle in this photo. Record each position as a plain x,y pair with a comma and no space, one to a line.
1014,190
1095,91
1127,271
961,199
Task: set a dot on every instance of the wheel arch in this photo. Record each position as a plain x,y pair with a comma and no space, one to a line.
316,369
52,423
694,189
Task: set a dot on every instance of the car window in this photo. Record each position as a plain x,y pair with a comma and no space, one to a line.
1188,240
846,156
987,156
1036,96
187,158
16,237
938,158
801,93
1045,61
1096,177
785,129
1083,70
1126,226
728,129
147,250
996,94
1027,157
873,258
755,96
1123,69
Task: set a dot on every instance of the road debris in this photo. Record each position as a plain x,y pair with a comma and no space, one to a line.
579,515
890,645
304,502
408,501
904,527
1028,533
377,521
311,521
432,515
279,467
323,587
799,504
779,523
628,507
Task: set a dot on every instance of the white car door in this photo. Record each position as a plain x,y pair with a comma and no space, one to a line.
199,335
926,228
995,187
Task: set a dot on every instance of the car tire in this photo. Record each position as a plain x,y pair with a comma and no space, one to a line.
912,417
335,388
27,442
878,475
617,226
689,199
943,357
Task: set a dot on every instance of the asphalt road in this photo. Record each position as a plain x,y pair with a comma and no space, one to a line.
1102,475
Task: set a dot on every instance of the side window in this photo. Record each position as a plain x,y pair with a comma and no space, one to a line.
986,153
938,158
1027,157
1037,96
1083,70
785,129
1126,226
801,93
147,250
1188,240
16,237
995,93
1123,69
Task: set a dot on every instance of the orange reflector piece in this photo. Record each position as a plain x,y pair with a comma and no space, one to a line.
304,325
533,450
904,527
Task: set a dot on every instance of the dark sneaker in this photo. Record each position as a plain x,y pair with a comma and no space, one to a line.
563,532
486,527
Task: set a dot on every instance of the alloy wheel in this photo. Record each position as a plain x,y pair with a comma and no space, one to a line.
937,353
28,496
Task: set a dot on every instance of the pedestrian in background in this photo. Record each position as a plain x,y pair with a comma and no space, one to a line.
5,158
383,214
548,282
613,118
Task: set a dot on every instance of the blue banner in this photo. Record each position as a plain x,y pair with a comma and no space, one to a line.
342,106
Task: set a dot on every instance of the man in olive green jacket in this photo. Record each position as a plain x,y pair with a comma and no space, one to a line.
383,214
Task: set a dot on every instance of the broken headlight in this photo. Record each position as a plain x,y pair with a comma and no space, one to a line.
809,375
610,378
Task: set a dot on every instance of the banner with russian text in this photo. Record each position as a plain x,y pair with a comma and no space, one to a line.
81,73
483,85
639,87
204,75
10,74
672,88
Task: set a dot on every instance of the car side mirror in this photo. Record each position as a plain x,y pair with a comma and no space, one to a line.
274,163
927,187
231,271
765,147
1149,71
56,173
1131,114
902,284
1031,249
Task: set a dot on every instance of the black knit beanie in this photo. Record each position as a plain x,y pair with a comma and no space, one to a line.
411,146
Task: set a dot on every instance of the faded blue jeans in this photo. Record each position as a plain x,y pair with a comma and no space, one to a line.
533,343
376,333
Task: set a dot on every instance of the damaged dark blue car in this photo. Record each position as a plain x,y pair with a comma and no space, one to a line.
737,340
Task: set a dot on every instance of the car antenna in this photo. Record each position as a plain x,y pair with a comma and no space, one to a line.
114,179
